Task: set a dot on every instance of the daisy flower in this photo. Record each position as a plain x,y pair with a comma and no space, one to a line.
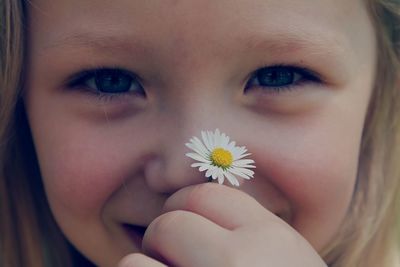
220,157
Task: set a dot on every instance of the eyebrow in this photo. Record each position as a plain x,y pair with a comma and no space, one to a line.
97,41
298,42
290,41
309,48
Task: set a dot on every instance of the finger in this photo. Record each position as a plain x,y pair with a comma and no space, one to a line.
139,260
184,238
225,206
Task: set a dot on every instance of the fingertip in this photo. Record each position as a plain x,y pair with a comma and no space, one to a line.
189,197
139,260
128,261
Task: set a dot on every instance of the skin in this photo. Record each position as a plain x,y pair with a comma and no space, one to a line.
120,159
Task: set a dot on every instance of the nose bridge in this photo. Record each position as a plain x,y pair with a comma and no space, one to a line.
197,104
170,170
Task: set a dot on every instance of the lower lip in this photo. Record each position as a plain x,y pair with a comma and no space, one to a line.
135,233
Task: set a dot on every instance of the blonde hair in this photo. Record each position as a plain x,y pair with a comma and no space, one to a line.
369,237
29,235
370,234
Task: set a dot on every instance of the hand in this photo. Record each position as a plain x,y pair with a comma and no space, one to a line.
210,225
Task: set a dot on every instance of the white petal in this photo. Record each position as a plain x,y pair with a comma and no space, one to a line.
210,171
197,164
211,142
218,134
231,146
245,171
231,178
240,156
224,141
197,149
215,173
200,144
237,152
197,157
221,176
217,138
243,162
244,166
239,173
202,166
206,140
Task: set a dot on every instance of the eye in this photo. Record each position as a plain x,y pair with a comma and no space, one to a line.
277,78
108,81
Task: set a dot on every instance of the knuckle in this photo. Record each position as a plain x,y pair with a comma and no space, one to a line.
282,235
165,224
196,197
286,235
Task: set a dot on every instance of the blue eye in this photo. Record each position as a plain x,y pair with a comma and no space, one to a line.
108,81
276,78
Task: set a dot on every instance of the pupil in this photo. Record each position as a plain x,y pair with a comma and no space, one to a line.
276,77
112,81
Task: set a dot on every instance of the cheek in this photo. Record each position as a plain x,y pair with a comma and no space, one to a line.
314,168
314,184
82,166
76,180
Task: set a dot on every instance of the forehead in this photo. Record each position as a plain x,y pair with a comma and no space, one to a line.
187,26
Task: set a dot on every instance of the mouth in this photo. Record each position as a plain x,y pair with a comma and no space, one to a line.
135,233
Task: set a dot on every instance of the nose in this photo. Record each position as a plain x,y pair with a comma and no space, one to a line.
170,169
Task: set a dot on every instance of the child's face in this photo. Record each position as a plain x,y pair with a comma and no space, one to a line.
109,159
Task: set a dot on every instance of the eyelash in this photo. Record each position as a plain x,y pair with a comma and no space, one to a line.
82,79
300,76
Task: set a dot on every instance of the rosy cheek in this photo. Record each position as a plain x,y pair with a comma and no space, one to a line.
78,182
82,171
315,177
317,185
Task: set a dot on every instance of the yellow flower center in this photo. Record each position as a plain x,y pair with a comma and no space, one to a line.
221,158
